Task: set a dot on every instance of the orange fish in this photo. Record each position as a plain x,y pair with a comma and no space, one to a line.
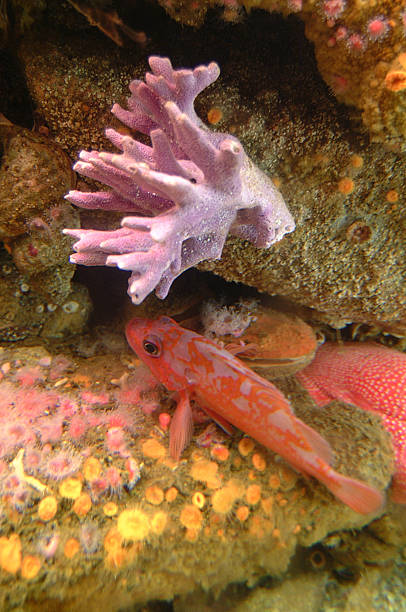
230,392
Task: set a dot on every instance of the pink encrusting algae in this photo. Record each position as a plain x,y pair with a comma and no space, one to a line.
51,429
197,368
372,377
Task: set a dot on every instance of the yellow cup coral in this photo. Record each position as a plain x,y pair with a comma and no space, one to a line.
72,547
30,566
10,553
133,525
47,508
82,504
70,488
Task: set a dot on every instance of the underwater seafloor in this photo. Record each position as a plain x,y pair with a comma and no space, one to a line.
95,513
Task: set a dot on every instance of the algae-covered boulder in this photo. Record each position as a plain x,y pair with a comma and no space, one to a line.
345,257
93,497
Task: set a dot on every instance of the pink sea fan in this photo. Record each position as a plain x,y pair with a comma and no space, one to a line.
78,426
115,439
115,482
378,27
98,487
32,460
181,196
90,537
333,8
68,407
7,395
47,544
31,403
61,464
49,428
21,498
59,366
95,399
15,433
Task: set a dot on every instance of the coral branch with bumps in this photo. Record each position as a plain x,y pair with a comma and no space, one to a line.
183,194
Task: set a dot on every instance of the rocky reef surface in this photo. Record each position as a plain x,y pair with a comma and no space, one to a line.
94,512
345,257
92,497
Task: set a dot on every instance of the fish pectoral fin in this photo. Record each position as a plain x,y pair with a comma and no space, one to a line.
320,446
225,425
181,428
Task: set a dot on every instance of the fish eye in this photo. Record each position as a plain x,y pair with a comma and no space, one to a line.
152,346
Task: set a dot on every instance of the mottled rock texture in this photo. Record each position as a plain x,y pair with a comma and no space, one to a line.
346,257
35,275
359,48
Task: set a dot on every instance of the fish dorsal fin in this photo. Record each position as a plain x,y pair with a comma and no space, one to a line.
217,353
320,446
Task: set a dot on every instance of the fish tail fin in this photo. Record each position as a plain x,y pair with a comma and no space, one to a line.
358,495
181,428
320,445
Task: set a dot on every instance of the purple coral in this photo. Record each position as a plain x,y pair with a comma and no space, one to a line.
185,194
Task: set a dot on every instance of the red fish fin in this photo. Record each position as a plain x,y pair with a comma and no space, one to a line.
225,425
318,395
358,495
398,489
320,446
181,428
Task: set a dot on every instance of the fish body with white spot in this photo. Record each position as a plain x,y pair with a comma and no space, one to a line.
230,392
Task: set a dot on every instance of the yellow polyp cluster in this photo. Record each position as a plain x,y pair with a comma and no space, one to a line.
220,452
159,522
10,553
30,566
246,446
113,539
82,504
70,488
133,525
71,548
258,461
392,196
395,79
206,471
171,494
117,555
346,185
47,508
253,494
154,495
153,449
191,518
259,526
223,499
110,508
274,482
92,469
356,161
242,513
214,115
